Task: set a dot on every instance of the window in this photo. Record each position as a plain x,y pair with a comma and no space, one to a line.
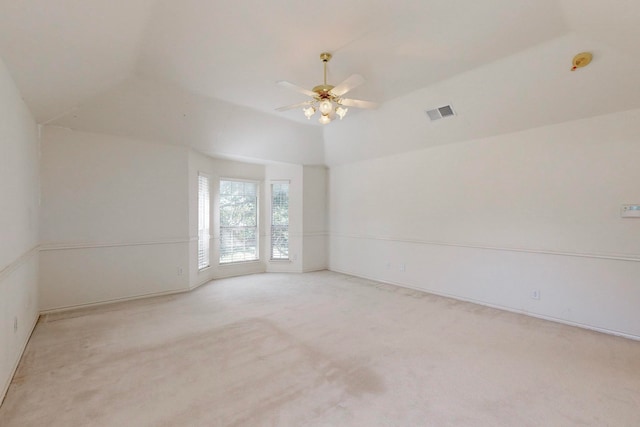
203,222
280,220
238,221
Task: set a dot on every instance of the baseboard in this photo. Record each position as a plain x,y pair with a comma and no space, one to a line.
236,274
312,269
497,306
16,364
111,301
197,285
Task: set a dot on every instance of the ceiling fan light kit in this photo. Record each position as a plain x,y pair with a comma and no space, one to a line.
309,112
328,98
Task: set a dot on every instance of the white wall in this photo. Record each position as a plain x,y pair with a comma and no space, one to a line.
492,220
503,96
159,112
114,220
119,217
315,218
18,226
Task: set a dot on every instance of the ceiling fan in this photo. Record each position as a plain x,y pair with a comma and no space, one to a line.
327,98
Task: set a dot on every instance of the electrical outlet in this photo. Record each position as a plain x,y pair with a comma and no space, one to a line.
179,271
15,324
535,294
403,267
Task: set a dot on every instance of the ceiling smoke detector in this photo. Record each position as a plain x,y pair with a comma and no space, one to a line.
441,113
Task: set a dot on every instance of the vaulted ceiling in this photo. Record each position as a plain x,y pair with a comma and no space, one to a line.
203,73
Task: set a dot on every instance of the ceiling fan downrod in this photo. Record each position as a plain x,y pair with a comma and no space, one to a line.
323,89
326,57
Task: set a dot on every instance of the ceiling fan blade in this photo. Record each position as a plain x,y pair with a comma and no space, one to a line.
350,83
359,104
291,107
289,85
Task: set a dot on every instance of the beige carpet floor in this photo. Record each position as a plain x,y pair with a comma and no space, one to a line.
318,349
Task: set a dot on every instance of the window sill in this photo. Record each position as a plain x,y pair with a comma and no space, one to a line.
228,264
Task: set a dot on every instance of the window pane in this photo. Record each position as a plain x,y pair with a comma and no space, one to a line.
280,220
238,221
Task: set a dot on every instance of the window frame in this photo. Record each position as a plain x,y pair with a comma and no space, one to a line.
257,226
206,216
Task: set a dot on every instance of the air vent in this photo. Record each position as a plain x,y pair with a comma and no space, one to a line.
440,113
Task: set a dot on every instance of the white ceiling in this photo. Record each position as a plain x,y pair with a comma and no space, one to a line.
141,67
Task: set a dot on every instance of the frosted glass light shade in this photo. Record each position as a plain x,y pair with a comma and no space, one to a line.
341,112
326,107
308,112
324,119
